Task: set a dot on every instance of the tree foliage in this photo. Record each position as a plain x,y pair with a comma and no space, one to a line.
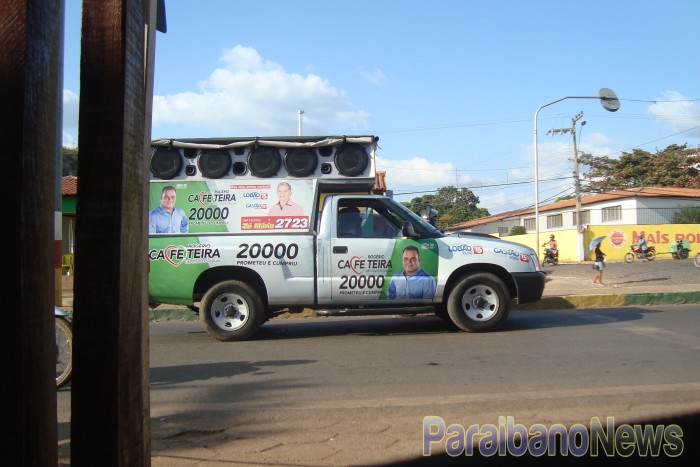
675,166
454,205
518,230
70,162
687,215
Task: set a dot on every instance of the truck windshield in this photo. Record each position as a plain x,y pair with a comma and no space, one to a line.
416,219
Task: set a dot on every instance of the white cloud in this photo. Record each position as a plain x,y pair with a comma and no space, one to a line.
376,77
676,110
416,174
249,95
71,105
419,176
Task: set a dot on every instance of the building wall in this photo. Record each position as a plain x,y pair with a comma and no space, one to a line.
618,239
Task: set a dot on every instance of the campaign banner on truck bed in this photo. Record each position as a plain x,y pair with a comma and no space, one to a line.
214,206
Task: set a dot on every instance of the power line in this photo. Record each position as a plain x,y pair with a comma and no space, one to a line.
397,193
444,126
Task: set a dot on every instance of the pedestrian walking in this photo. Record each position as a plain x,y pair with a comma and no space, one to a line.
599,265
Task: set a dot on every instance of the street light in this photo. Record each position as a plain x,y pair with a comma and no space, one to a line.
609,101
301,112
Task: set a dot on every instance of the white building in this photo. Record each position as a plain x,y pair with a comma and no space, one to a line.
634,206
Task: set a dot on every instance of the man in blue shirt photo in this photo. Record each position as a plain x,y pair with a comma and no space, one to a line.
412,282
167,218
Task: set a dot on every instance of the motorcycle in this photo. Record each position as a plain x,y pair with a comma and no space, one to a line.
636,253
64,347
551,256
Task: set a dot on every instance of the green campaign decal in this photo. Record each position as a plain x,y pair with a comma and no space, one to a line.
414,270
213,206
175,263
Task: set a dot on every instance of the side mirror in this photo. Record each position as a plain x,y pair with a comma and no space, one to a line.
408,231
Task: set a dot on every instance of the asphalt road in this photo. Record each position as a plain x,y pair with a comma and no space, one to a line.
340,391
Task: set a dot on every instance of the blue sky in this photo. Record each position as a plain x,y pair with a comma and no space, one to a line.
449,87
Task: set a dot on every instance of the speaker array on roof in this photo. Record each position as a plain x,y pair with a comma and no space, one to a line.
345,160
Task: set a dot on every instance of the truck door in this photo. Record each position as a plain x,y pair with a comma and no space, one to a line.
364,256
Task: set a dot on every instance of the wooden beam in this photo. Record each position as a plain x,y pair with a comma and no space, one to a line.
30,32
110,412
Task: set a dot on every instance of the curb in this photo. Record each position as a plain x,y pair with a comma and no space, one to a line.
546,303
600,301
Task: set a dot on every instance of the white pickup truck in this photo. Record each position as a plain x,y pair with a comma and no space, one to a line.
240,242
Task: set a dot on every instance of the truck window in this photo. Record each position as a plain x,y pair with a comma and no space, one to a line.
368,218
349,222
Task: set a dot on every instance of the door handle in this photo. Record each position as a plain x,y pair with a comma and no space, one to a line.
340,249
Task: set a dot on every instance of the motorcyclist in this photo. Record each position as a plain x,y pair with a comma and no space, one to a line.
551,247
642,243
430,215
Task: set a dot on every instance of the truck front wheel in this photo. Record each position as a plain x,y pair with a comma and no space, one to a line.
232,311
479,302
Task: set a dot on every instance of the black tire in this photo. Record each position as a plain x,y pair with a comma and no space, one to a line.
232,311
683,254
544,262
479,302
651,255
64,351
629,257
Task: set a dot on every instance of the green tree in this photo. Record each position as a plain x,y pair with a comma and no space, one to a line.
687,215
454,205
675,166
518,230
70,162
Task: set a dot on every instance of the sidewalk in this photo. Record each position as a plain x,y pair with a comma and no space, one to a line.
650,283
567,286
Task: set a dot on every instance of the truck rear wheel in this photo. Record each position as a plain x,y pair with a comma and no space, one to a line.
479,302
232,311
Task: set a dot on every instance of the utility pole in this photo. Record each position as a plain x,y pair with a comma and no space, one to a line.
577,181
301,112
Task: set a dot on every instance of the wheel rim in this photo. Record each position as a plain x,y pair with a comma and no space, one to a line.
64,355
480,303
230,312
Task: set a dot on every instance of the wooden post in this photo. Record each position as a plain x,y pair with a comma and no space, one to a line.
30,71
110,411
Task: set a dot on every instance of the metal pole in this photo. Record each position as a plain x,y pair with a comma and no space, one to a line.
301,112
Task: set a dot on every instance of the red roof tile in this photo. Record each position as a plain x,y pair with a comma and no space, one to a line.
69,186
